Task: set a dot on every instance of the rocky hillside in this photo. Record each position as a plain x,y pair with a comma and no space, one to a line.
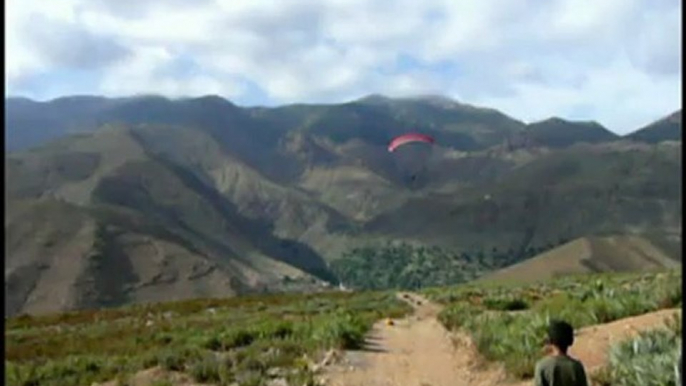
116,201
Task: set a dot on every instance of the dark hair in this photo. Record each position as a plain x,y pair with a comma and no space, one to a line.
560,334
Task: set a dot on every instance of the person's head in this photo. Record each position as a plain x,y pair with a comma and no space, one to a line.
560,335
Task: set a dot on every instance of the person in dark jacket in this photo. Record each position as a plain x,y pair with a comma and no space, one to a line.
559,369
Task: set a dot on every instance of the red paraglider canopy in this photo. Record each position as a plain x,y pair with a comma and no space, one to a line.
406,138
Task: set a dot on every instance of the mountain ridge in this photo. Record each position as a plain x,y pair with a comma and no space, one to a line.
437,99
200,197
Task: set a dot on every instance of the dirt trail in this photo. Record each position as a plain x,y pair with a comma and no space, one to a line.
415,351
419,351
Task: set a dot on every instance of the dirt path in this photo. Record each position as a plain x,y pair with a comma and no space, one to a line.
418,351
415,351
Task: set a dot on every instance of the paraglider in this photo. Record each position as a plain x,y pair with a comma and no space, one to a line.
414,159
407,138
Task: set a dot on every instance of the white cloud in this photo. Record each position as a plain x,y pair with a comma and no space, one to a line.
619,96
142,74
19,60
615,61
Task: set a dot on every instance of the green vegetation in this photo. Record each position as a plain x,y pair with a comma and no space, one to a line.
647,360
245,340
507,323
405,266
410,267
249,340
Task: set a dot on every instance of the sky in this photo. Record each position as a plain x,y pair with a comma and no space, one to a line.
617,62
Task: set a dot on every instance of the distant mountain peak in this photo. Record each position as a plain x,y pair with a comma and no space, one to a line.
375,98
146,97
550,120
560,133
211,99
430,98
79,98
208,97
559,120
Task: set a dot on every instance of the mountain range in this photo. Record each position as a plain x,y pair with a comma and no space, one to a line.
129,200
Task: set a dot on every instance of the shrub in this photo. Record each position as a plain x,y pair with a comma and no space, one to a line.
229,339
251,379
69,371
342,331
176,359
650,359
21,375
505,304
275,329
281,353
670,297
171,361
455,316
515,340
206,369
237,338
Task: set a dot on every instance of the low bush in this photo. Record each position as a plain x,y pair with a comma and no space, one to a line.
342,331
206,369
650,359
505,304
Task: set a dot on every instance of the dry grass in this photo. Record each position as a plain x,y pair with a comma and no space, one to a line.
218,340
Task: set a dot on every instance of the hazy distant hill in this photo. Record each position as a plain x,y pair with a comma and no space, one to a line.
588,255
559,133
113,201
